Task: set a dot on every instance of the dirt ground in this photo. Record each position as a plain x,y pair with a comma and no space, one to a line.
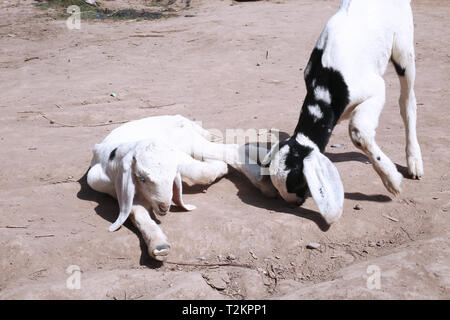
229,65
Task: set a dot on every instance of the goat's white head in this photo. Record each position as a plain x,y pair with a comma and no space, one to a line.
151,169
297,168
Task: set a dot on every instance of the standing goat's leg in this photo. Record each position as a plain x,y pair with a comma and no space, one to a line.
403,59
154,237
362,128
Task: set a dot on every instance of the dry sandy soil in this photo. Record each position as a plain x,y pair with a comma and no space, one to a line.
209,63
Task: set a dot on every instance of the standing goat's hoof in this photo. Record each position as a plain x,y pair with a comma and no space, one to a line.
415,167
393,183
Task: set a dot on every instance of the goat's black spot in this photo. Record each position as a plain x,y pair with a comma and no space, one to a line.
319,130
378,158
112,154
398,68
295,181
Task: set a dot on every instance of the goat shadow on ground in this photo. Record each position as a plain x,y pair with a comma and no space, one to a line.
252,196
108,208
359,157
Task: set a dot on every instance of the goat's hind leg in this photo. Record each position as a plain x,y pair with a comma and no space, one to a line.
403,59
154,237
201,172
362,128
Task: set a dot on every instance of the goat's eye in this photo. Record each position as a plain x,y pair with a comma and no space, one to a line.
141,179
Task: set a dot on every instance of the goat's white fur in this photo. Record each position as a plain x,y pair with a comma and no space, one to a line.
151,159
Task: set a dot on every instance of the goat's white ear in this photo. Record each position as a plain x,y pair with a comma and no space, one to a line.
325,185
177,197
125,190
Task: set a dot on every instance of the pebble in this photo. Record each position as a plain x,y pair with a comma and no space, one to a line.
357,207
266,281
337,145
313,245
379,243
231,257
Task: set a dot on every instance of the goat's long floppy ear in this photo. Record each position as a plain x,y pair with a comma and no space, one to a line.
177,197
125,190
325,185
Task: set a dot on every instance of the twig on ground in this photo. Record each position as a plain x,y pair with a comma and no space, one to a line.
68,180
390,218
94,227
83,125
157,106
15,227
169,31
226,264
410,238
37,272
45,236
146,36
31,58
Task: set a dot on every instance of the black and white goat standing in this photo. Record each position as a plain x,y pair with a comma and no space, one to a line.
344,81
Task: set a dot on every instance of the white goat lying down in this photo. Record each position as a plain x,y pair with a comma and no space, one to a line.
344,81
143,163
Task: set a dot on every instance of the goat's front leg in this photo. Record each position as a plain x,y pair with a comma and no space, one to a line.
362,127
154,237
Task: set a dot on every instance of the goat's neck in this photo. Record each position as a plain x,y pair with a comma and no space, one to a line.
317,121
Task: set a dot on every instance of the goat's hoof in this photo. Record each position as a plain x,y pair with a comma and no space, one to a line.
159,252
415,167
394,183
